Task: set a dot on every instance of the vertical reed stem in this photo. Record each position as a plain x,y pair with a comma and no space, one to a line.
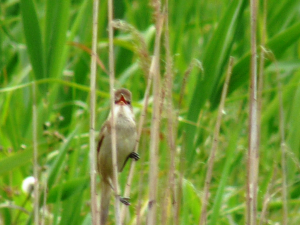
151,220
94,208
112,104
283,151
140,127
203,216
35,158
252,167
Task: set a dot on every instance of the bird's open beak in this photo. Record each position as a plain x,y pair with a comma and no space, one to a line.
121,101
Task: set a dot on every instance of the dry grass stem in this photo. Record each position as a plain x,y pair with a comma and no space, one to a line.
113,122
35,158
261,71
93,173
267,198
139,44
142,52
44,200
171,122
194,63
203,216
252,164
89,51
283,146
140,128
154,69
182,166
283,150
142,179
154,145
259,108
177,206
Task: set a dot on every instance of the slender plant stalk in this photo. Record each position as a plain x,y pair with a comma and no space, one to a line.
252,164
203,216
259,98
171,116
90,52
139,204
21,208
267,197
183,149
282,139
112,104
261,70
283,150
44,200
271,56
154,146
151,220
35,158
140,128
94,207
182,165
194,63
140,47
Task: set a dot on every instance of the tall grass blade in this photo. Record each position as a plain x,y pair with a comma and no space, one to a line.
33,37
57,21
214,57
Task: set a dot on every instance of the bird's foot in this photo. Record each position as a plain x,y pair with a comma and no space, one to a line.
125,201
134,155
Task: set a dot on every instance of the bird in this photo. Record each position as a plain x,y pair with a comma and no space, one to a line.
126,136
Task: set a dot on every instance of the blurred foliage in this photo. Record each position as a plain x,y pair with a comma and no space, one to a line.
47,43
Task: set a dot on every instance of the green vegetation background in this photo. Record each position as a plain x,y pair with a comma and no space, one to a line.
45,42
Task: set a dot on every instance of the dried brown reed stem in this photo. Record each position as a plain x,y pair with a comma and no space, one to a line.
282,140
203,216
267,198
186,75
252,162
194,63
93,173
283,158
112,104
139,44
145,60
261,71
142,179
283,146
259,101
153,176
180,178
140,128
154,143
171,190
35,157
44,200
90,52
283,149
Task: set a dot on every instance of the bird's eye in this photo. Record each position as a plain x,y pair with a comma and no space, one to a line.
128,102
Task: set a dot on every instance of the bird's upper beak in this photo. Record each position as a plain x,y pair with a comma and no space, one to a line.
121,101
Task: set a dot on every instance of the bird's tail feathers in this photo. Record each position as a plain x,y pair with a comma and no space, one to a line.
104,204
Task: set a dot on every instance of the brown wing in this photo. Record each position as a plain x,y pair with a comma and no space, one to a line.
105,129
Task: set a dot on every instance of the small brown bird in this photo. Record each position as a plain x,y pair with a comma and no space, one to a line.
125,142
